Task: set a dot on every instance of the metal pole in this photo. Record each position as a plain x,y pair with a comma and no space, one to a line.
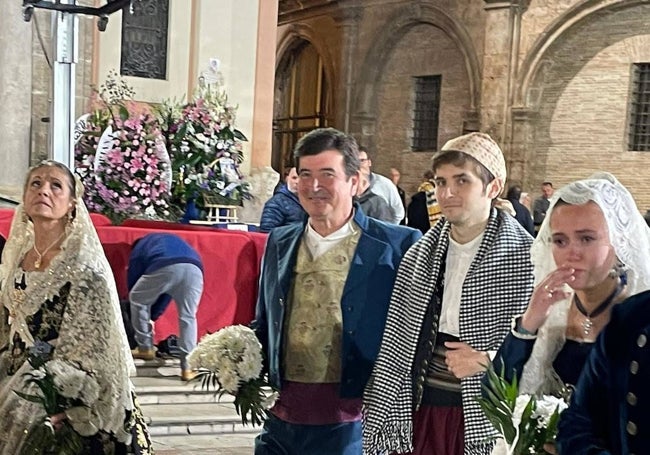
65,37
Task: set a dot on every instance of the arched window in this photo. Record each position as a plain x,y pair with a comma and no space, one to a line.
301,100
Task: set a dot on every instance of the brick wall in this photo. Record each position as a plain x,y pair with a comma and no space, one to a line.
424,50
582,127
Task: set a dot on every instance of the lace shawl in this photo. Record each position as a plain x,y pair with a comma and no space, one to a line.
92,332
630,236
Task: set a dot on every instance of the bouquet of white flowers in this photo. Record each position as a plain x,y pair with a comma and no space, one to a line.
230,361
525,422
63,387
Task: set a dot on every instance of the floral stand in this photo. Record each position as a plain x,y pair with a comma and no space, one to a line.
217,212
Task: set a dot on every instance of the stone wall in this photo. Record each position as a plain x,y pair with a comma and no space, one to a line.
548,79
583,113
424,50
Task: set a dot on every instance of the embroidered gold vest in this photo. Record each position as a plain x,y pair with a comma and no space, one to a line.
313,326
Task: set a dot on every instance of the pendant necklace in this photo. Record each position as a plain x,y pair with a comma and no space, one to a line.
587,324
37,262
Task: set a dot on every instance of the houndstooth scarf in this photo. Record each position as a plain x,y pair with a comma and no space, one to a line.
497,287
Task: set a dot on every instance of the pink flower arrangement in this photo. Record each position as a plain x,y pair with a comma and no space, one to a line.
124,165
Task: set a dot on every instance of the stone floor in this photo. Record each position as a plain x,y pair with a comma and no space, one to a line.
183,419
223,444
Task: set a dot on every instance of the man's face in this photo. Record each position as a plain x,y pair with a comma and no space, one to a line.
292,180
324,190
365,163
547,191
394,175
461,196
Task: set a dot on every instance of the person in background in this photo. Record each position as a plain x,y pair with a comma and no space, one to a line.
540,206
382,186
610,407
521,212
284,206
164,267
372,204
455,294
59,302
424,210
395,176
324,291
591,252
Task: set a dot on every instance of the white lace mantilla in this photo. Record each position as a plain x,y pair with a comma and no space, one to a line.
629,235
91,333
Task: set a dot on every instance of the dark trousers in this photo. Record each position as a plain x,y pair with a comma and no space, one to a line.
282,438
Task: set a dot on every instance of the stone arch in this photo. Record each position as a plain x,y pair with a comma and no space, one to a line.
295,34
535,59
396,27
294,38
563,128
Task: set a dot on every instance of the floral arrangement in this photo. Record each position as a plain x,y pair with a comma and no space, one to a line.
230,361
526,423
206,149
122,159
62,386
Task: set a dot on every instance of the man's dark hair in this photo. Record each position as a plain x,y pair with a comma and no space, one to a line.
547,184
514,193
323,139
363,148
459,159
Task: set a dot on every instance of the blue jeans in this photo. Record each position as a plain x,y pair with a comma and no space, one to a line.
282,438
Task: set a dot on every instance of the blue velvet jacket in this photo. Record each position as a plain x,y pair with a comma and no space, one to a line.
610,409
364,303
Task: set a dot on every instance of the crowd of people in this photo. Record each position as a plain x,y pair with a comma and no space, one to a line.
377,319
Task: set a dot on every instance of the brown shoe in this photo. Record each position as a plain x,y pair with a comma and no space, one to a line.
144,354
188,375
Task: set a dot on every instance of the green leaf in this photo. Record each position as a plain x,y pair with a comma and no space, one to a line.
239,135
124,113
33,398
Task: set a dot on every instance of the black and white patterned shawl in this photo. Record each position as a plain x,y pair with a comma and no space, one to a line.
497,287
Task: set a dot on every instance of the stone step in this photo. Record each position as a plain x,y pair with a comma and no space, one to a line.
160,366
194,419
221,444
173,407
171,390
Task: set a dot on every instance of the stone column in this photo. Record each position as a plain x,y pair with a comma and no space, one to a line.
502,36
15,97
348,22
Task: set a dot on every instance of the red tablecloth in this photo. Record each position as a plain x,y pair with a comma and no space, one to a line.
231,261
230,266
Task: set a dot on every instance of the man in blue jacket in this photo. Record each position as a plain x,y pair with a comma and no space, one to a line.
164,267
323,298
283,207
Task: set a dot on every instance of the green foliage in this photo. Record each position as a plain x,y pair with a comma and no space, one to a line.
519,419
251,400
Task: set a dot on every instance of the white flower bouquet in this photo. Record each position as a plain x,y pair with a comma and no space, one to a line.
230,361
527,423
62,387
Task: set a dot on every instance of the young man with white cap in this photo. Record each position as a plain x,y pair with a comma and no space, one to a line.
456,292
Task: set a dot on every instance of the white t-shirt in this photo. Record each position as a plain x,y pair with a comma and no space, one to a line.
459,258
